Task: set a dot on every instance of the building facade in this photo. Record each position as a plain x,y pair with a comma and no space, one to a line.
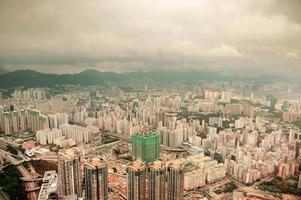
69,176
175,181
157,181
136,181
96,180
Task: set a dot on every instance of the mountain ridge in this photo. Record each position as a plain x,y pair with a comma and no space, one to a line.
90,77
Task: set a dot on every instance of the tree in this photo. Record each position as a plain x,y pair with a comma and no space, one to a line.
11,183
11,149
218,158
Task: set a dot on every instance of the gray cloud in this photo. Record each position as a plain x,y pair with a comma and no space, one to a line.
126,35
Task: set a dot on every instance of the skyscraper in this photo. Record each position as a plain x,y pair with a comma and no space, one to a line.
69,177
175,181
96,180
136,181
146,147
157,181
1,115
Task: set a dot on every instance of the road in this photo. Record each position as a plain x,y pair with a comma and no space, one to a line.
3,195
30,186
128,139
120,136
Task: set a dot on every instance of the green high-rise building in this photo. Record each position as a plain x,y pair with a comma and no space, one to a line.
146,147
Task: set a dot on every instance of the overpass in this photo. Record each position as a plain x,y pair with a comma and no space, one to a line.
31,179
33,189
48,158
30,186
106,145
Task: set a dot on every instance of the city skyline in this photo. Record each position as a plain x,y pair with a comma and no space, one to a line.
150,100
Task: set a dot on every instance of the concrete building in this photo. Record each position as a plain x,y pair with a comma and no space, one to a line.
96,180
157,181
69,176
175,181
136,181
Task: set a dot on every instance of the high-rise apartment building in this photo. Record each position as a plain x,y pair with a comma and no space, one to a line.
1,116
69,176
146,147
96,180
175,181
157,181
136,181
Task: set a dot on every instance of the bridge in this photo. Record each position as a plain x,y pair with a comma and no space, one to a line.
106,145
31,179
30,185
33,189
48,158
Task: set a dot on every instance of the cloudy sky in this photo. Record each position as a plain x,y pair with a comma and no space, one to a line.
58,36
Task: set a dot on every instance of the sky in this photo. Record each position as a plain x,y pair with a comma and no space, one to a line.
238,36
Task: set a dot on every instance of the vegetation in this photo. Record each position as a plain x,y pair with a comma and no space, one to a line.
249,184
107,149
230,187
11,149
280,186
268,186
218,157
93,77
188,165
298,123
105,139
218,191
26,165
11,184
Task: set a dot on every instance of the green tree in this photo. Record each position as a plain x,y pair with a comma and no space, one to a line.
11,149
218,157
11,184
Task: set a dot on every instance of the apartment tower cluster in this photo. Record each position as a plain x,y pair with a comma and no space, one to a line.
155,181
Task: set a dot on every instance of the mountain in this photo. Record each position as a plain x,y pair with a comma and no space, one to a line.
29,78
3,71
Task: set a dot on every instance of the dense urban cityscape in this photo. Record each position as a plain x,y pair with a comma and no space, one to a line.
212,140
150,100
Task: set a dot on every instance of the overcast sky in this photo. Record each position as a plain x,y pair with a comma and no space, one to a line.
59,36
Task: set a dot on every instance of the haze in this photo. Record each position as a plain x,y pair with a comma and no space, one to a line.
250,36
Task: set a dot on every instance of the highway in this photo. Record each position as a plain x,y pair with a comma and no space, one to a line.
30,186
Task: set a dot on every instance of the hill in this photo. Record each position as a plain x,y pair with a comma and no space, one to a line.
29,78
